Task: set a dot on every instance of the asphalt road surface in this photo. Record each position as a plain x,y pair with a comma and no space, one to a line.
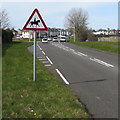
92,75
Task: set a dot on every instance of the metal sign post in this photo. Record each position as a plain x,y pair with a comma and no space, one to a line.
34,58
35,22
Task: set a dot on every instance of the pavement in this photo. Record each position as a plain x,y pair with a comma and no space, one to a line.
92,75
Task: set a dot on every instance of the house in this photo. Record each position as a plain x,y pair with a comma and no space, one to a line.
105,32
27,34
19,32
101,32
51,32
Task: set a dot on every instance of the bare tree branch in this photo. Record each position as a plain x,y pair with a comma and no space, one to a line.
77,21
4,20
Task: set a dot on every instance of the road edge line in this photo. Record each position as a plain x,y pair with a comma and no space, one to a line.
39,47
49,60
66,82
43,52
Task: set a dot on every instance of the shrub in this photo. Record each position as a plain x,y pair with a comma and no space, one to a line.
91,36
81,34
7,36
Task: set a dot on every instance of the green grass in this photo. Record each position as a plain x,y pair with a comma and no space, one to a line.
48,97
26,40
112,47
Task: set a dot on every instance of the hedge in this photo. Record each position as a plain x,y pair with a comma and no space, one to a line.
7,36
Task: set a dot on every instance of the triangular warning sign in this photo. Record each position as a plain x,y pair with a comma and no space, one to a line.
35,22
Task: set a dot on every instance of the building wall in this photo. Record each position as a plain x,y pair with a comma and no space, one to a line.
112,39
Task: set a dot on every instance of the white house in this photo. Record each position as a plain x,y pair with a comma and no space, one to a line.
105,32
27,34
101,32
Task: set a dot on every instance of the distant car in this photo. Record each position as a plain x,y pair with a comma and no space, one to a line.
44,40
62,39
49,39
55,39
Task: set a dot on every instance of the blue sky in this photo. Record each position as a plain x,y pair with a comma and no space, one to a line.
101,14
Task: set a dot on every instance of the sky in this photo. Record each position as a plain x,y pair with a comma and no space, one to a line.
101,15
119,15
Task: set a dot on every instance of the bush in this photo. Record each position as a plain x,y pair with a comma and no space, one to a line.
85,35
91,36
7,36
81,34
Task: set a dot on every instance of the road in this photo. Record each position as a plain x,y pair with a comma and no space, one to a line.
92,75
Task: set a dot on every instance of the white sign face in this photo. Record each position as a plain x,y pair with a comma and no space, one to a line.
35,22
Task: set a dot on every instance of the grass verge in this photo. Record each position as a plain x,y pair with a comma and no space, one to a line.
23,98
113,47
26,40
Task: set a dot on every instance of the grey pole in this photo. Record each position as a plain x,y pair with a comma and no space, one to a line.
74,35
34,58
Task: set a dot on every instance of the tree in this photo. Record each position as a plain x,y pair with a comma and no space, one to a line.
4,20
76,21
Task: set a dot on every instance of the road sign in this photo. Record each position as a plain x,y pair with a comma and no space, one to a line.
35,22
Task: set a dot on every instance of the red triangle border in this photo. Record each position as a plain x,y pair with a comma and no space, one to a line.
39,29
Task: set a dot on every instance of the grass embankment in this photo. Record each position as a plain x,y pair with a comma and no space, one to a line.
112,47
45,98
26,40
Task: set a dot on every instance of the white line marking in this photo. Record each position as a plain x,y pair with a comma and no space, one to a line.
42,59
45,62
82,54
71,49
39,47
102,62
65,49
49,60
79,54
43,52
76,53
47,65
39,57
62,77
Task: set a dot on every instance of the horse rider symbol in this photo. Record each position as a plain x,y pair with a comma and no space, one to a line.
35,22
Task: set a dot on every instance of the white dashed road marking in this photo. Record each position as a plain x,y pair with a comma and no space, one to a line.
43,52
82,54
45,62
49,60
47,65
39,47
59,45
101,62
66,82
39,57
74,52
42,59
